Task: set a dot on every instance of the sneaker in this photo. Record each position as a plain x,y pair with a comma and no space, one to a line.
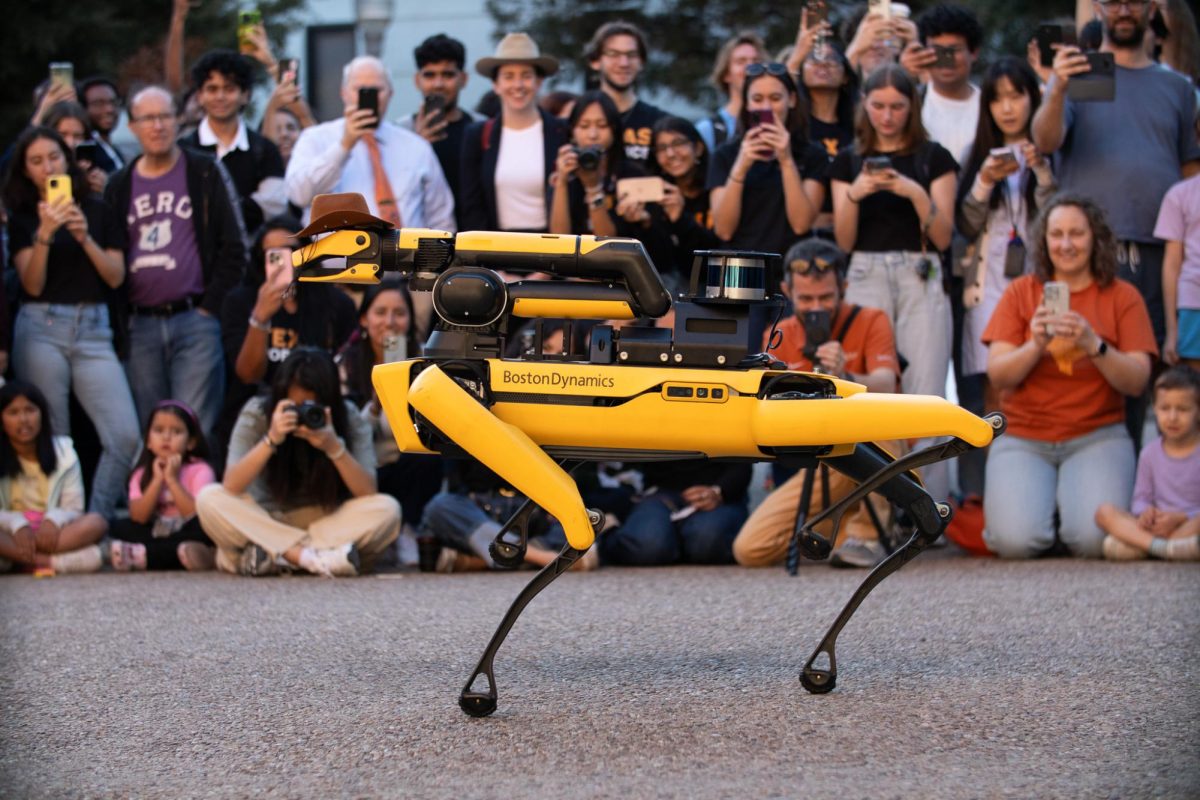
256,562
336,562
196,556
85,559
1116,550
861,553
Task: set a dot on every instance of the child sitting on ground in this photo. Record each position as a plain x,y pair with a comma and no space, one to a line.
42,524
1165,518
162,531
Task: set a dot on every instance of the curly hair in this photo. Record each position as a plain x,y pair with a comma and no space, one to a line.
232,66
951,19
1103,260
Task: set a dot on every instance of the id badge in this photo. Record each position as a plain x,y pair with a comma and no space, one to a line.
1014,258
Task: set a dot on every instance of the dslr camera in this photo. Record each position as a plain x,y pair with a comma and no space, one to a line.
311,415
589,157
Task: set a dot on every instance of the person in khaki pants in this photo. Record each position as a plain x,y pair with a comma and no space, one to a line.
297,494
860,347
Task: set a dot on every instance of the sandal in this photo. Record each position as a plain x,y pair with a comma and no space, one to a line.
196,556
127,556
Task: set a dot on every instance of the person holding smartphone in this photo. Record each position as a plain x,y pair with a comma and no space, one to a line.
766,185
69,255
1063,373
71,122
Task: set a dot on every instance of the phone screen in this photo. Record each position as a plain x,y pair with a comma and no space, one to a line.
62,73
1056,297
287,65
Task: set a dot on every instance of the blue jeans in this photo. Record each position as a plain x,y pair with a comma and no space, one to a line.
177,358
919,311
457,521
1027,479
650,538
60,348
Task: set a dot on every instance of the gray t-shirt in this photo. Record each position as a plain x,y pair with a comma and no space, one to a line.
251,427
1127,153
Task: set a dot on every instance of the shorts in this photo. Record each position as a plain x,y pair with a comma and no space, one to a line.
1189,333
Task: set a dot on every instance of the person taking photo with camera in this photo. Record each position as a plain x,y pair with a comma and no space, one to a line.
299,489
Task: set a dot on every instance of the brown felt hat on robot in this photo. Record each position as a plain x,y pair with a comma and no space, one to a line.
332,212
516,48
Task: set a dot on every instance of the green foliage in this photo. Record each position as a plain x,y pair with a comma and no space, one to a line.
685,35
119,38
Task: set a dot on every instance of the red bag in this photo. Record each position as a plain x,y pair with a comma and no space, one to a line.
966,528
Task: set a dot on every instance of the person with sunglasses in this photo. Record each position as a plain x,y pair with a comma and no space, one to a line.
856,344
766,185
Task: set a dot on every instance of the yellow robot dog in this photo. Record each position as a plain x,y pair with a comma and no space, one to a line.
702,389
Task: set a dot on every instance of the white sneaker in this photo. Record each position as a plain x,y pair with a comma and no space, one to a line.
1116,550
336,562
85,559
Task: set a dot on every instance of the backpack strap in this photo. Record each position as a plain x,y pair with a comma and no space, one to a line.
720,129
486,134
849,321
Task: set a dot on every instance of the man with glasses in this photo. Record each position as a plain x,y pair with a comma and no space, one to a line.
1123,154
617,52
858,346
103,104
185,253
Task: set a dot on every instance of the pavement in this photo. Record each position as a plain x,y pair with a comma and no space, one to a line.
958,678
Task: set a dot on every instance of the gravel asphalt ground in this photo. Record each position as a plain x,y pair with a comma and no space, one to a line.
958,678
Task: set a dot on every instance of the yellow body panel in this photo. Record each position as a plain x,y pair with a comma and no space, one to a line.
391,384
509,242
534,307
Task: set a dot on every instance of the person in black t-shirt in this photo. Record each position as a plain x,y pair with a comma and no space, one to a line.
893,205
440,77
681,158
829,88
69,254
766,185
617,52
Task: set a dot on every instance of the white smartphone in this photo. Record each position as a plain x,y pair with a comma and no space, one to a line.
641,190
881,7
395,348
279,265
1056,297
1005,155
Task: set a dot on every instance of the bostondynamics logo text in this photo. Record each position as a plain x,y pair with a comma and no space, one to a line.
558,380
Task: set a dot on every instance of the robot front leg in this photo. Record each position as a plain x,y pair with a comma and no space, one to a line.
875,471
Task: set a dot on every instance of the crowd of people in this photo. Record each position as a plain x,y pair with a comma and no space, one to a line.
1040,242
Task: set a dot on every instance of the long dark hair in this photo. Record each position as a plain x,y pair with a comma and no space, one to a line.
797,116
848,96
184,413
1103,261
10,465
298,474
988,134
357,357
679,125
616,151
20,193
866,141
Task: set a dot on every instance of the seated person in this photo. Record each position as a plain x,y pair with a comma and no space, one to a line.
1063,379
42,524
1164,520
860,349
297,494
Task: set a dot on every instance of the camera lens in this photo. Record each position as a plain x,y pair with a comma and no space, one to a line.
311,415
589,157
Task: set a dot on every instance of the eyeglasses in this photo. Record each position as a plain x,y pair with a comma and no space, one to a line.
154,119
677,145
1112,5
621,55
769,68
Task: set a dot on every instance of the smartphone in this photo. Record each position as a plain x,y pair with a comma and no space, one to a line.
1004,155
287,65
877,164
641,190
87,151
58,186
1049,34
881,7
247,21
1056,297
818,12
946,57
278,265
434,104
62,73
1100,84
395,348
368,97
762,116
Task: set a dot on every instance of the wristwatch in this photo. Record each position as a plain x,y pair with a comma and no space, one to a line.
1101,350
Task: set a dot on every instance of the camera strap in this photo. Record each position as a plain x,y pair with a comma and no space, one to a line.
846,325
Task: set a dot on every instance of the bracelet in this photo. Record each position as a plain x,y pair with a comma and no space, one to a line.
40,240
736,180
596,201
265,327
341,451
267,441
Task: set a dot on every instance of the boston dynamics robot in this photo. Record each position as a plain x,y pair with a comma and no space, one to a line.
701,389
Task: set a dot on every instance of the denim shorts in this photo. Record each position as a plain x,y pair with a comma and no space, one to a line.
1189,333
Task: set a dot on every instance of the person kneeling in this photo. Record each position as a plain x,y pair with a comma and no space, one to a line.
299,491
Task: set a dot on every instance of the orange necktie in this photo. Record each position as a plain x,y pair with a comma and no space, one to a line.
384,198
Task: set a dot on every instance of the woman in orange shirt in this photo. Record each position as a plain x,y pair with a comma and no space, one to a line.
1063,379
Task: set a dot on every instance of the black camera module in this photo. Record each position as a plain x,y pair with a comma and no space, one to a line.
311,415
818,327
589,157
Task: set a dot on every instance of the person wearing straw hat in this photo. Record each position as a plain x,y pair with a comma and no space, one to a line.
507,161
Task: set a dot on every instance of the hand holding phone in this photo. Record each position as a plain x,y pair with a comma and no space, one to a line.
58,187
1098,83
368,98
641,190
288,66
62,73
1056,298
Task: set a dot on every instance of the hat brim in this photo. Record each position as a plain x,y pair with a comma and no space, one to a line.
488,65
338,220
